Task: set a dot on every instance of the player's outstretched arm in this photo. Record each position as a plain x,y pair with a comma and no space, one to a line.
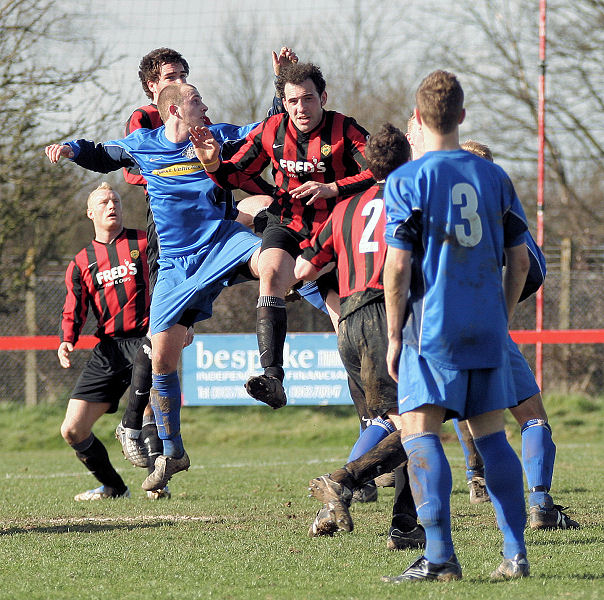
56,151
207,149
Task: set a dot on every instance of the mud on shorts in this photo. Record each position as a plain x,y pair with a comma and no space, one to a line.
363,343
108,372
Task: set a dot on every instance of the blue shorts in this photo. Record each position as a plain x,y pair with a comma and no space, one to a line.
524,380
188,285
463,393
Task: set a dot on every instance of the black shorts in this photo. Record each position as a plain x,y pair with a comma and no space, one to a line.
108,372
363,343
283,238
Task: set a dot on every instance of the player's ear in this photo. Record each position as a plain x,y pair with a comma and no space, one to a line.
463,116
90,213
173,109
418,117
323,98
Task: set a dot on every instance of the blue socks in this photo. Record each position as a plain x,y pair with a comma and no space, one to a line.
503,476
166,408
538,456
373,434
431,484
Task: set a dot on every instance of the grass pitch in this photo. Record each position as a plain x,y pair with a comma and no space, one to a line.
236,526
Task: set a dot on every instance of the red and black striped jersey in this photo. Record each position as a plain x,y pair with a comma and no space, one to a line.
145,117
112,279
332,152
353,236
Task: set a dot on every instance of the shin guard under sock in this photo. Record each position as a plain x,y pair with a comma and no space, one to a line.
93,454
165,401
503,476
271,327
373,434
138,397
538,456
431,484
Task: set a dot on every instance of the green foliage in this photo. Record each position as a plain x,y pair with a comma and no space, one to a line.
236,526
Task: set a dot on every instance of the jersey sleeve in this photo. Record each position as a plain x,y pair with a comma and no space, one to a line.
248,162
514,219
75,309
320,250
355,142
403,220
102,158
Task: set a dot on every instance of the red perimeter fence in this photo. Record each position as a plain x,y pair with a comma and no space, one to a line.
572,335
520,336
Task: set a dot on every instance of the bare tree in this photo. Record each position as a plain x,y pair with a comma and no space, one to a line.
34,93
493,47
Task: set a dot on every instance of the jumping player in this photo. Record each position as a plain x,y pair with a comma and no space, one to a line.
159,68
456,215
200,251
317,158
109,276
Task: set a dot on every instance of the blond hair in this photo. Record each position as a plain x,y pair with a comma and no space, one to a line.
104,187
477,148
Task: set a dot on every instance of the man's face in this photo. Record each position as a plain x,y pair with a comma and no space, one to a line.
105,211
304,105
193,110
169,73
415,138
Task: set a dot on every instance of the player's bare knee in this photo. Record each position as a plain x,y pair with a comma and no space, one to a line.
71,433
532,408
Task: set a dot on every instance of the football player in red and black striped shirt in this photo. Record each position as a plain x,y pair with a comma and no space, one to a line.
110,277
317,158
353,237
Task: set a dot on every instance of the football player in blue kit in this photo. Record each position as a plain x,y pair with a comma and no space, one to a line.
456,215
200,251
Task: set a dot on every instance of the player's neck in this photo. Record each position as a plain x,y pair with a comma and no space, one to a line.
437,141
107,236
176,131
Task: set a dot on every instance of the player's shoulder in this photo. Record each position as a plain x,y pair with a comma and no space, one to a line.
145,117
80,260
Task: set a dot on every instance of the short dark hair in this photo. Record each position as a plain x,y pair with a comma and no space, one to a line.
150,66
439,100
386,150
298,73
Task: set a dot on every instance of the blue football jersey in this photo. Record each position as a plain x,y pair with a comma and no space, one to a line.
186,204
456,212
